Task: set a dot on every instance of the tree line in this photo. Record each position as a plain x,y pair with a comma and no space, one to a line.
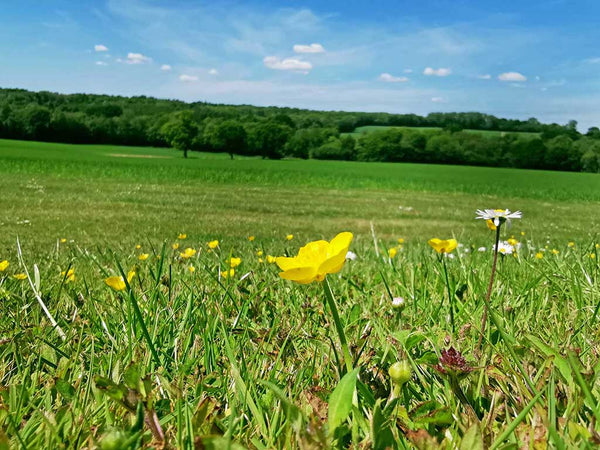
273,132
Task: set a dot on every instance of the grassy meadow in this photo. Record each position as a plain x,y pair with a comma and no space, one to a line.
143,307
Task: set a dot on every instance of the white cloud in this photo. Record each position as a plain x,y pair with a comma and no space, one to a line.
486,76
388,78
312,48
101,63
137,58
512,76
188,78
165,67
438,100
213,71
295,65
441,72
100,48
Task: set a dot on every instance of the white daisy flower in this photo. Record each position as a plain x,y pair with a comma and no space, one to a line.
505,248
351,256
398,302
482,249
498,216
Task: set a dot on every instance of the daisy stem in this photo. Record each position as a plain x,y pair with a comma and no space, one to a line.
450,296
338,324
489,290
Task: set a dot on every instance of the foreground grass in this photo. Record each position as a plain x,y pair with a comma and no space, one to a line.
204,360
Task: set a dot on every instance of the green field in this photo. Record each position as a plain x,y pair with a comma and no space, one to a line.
188,354
359,131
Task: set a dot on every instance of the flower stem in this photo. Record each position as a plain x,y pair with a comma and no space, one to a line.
338,324
489,290
450,296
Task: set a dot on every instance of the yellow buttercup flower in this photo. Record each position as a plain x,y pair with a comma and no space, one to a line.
392,252
250,238
316,259
213,244
539,255
512,241
400,241
4,265
69,275
175,246
63,240
443,246
289,237
593,255
259,253
188,253
192,269
118,283
597,246
234,262
143,256
20,276
228,273
182,236
571,244
490,224
522,233
260,260
137,247
555,252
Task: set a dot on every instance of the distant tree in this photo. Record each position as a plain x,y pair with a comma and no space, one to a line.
227,136
593,132
180,131
268,139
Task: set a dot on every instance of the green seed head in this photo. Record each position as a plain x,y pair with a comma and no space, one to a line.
400,372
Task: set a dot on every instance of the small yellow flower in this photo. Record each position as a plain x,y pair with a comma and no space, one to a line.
490,224
175,246
400,241
259,253
392,252
250,238
63,240
213,244
188,253
192,269
512,241
571,244
182,236
118,283
522,233
69,275
555,252
597,245
443,246
316,259
593,255
228,273
260,260
4,265
289,237
143,256
137,247
20,276
234,262
271,259
539,255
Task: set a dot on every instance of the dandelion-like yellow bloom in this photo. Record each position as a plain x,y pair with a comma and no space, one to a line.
213,244
182,236
192,269
571,244
137,247
20,276
69,275
234,262
316,259
289,237
400,241
539,255
392,252
555,252
443,246
143,256
259,253
250,238
4,265
188,253
118,283
175,246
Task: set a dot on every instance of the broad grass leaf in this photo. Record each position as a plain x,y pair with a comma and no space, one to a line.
472,440
340,401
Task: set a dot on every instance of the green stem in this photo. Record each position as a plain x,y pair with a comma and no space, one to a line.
489,290
338,324
450,296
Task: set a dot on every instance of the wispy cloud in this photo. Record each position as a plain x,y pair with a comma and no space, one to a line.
213,72
312,48
389,78
137,58
165,67
512,76
188,78
101,63
438,100
441,72
100,48
289,64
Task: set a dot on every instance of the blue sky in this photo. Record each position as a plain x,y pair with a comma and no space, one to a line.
509,58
